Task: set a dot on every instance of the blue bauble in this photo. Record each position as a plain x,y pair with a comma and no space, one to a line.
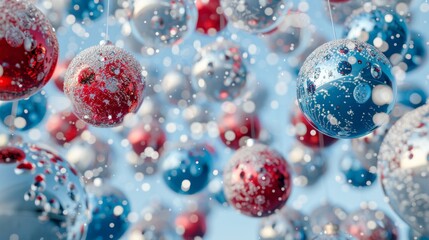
416,52
381,27
187,170
29,114
216,190
346,88
86,9
110,209
411,95
355,172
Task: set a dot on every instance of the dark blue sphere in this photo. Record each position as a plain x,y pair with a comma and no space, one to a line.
411,95
355,173
416,52
29,114
380,27
187,170
110,209
86,9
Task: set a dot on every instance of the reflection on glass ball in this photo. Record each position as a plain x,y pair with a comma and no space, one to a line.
42,194
220,71
254,15
403,166
324,215
381,27
110,209
160,23
346,88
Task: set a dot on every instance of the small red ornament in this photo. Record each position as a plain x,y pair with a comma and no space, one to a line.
307,134
145,136
210,17
29,49
257,181
237,127
191,225
64,127
104,84
59,73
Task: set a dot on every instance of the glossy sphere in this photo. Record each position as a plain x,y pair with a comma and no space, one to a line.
346,88
191,225
287,224
63,127
210,17
237,127
146,138
220,71
43,195
104,83
177,88
86,9
403,168
93,159
326,217
307,134
254,15
308,165
412,95
29,114
110,207
257,181
368,224
59,74
416,52
355,172
380,27
160,23
29,50
187,170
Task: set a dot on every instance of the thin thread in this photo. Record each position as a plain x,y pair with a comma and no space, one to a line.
332,19
12,117
106,37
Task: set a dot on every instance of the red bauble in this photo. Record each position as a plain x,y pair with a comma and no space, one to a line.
147,137
29,49
307,134
104,84
191,225
64,127
209,19
257,181
59,73
237,127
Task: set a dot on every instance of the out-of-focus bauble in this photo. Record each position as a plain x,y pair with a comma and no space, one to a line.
331,232
416,52
92,158
257,181
86,9
220,71
381,27
342,10
370,224
307,134
412,95
153,77
64,127
104,84
346,88
191,225
355,172
187,170
414,235
216,190
59,73
53,10
253,15
29,49
308,165
235,128
403,168
210,17
287,224
177,88
29,113
161,23
43,197
326,217
110,208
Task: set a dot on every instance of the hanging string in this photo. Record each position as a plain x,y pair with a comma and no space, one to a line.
106,36
12,118
332,20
